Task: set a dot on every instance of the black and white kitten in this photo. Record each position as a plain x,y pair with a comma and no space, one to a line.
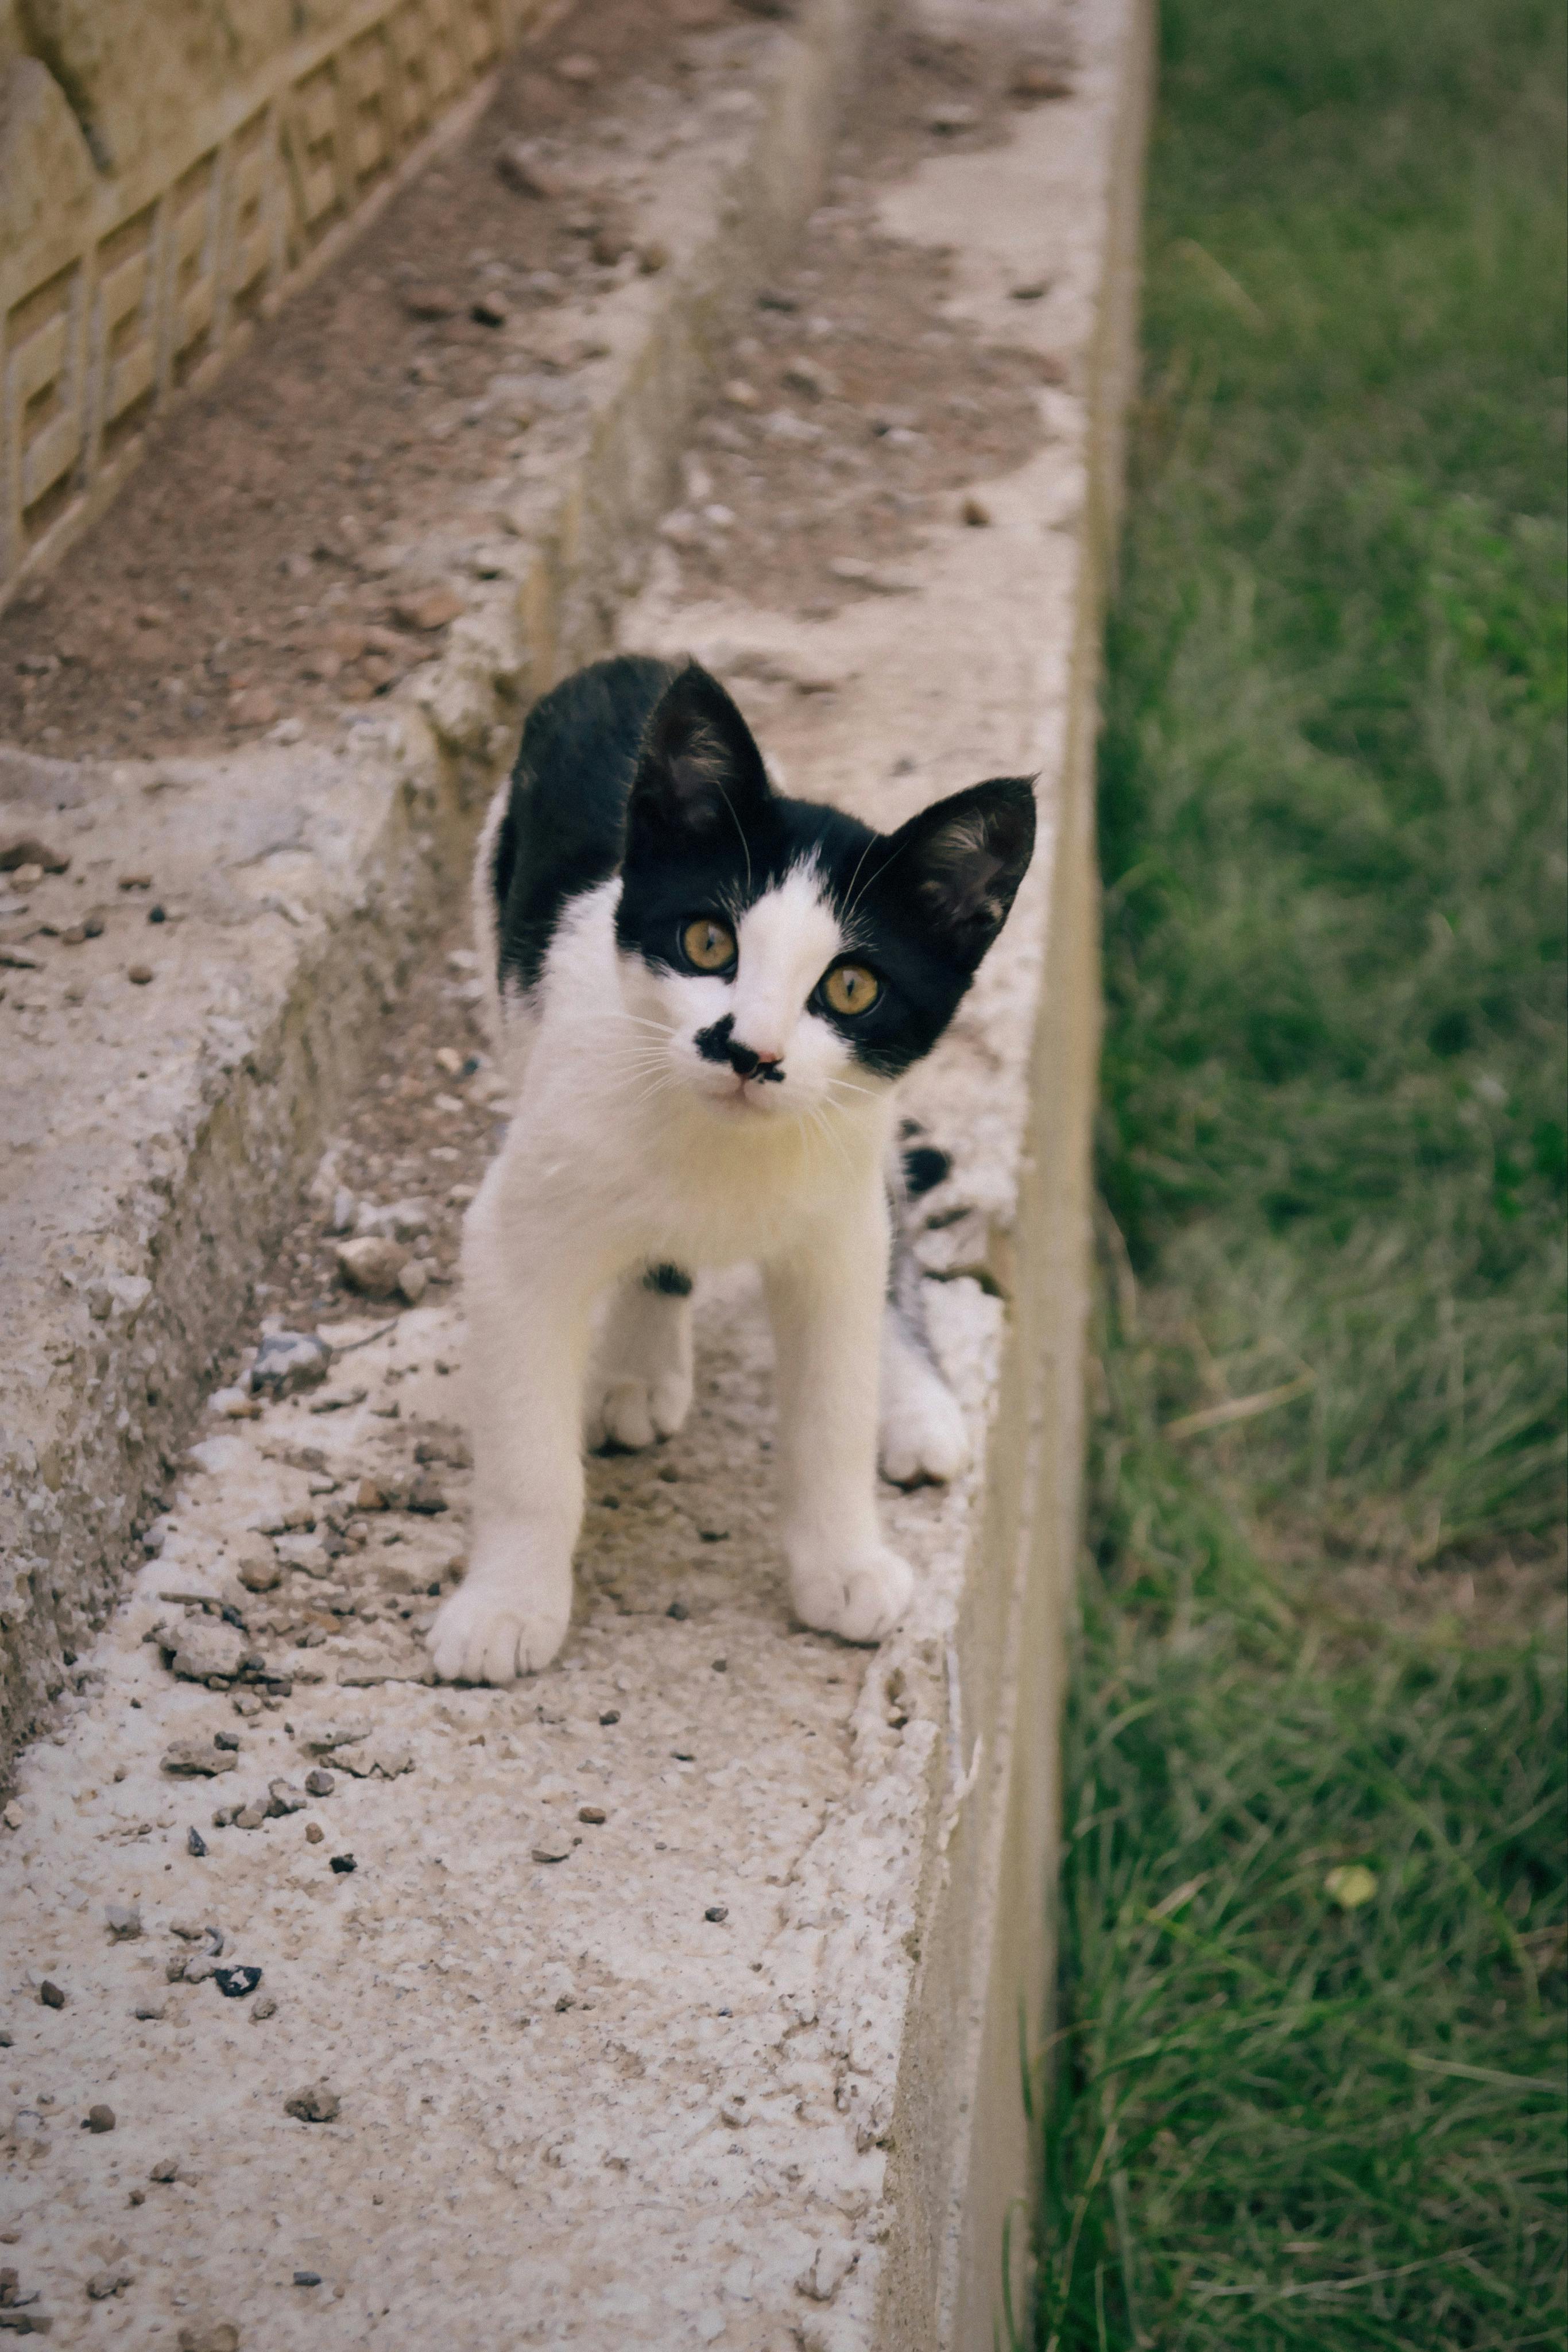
706,994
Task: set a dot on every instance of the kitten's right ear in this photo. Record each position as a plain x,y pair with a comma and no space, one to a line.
699,772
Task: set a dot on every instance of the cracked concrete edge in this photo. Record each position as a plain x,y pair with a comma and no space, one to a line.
84,1446
972,2071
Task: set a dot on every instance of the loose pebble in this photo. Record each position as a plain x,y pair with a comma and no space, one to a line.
317,2104
236,1984
124,1921
371,1265
51,1996
188,1759
287,1361
551,1845
99,2118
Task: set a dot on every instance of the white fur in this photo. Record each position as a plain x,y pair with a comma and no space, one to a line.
627,1148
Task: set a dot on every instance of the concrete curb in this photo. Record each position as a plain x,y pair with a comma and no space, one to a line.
175,1207
819,2135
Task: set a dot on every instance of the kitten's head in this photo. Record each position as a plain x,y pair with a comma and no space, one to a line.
792,957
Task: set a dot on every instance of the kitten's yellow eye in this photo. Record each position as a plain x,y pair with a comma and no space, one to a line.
850,988
708,945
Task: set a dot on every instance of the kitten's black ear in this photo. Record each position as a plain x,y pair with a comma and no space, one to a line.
698,771
956,866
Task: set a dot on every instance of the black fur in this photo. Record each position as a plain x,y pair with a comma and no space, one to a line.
635,766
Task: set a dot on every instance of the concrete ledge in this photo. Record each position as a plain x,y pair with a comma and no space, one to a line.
157,1137
737,2062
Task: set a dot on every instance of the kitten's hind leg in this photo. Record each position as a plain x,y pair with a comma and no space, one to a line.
640,1389
920,1436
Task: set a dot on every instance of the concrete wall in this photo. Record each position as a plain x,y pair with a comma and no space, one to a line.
168,170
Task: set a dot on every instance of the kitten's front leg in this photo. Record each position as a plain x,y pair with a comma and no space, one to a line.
527,1303
826,1301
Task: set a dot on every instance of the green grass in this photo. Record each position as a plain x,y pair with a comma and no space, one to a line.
1333,1162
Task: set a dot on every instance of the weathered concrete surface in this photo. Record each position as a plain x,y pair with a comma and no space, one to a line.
169,171
155,1137
573,2107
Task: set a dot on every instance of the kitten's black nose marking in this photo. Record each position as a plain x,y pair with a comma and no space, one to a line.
718,1044
712,1044
767,1068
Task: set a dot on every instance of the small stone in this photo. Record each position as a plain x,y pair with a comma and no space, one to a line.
284,1798
430,302
216,2335
741,394
289,1360
368,1496
195,1844
318,1781
259,1574
253,706
951,117
551,1845
678,1611
975,513
314,1832
188,1757
208,1651
716,1914
520,167
433,610
150,2013
250,1817
343,1212
306,2278
50,1994
167,2168
652,257
414,1281
139,974
609,242
100,2118
371,1266
124,1921
426,1497
594,1815
236,1984
317,2104
336,1735
579,70
804,375
12,1816
228,1740
103,2284
260,2011
610,1714
342,1865
1029,290
489,310
1035,77
26,849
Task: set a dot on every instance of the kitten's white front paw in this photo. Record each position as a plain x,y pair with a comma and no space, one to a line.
858,1598
636,1412
492,1634
923,1437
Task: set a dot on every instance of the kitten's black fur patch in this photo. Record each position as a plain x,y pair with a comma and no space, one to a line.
634,765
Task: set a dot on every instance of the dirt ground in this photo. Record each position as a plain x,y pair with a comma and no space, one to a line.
258,568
